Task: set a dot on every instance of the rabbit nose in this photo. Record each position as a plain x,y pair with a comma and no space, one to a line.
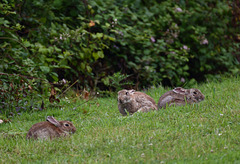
73,130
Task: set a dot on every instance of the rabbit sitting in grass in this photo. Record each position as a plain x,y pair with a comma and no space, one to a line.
180,96
50,129
133,101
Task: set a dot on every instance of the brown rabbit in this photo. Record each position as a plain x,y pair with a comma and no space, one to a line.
134,101
180,96
50,129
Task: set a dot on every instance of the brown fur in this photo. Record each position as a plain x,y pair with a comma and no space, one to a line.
50,129
180,96
134,101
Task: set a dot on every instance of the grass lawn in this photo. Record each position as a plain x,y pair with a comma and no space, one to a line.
208,132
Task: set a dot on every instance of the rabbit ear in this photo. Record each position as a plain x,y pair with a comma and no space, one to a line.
53,121
120,91
179,90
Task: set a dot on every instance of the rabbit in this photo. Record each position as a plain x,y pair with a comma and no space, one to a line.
180,96
50,128
134,101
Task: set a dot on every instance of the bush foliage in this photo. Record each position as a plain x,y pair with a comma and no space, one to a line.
149,42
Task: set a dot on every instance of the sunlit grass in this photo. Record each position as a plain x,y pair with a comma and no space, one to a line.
208,132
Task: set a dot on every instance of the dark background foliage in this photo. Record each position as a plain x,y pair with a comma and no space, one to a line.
101,43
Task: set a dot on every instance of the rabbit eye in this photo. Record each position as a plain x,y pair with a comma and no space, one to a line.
66,124
195,92
126,93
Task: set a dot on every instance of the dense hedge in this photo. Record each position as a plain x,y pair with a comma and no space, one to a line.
169,42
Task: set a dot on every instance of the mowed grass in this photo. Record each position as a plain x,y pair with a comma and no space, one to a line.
208,132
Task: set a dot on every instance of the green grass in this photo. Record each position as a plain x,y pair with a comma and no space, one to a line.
208,132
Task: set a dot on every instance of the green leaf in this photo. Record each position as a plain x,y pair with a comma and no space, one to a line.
99,35
100,54
105,81
54,76
89,69
27,43
107,24
82,66
95,55
45,69
111,38
58,50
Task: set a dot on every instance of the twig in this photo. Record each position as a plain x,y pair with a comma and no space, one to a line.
80,105
83,103
15,60
15,41
68,88
27,77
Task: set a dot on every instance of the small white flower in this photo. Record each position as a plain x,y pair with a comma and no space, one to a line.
152,39
205,41
185,47
220,134
115,20
1,121
221,114
182,80
178,9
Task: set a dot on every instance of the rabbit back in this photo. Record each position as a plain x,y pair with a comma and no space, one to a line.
143,97
145,101
180,96
133,101
169,98
45,130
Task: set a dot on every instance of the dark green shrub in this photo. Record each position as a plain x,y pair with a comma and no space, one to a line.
169,42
